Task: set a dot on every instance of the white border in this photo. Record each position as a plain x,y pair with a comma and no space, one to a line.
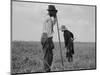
5,37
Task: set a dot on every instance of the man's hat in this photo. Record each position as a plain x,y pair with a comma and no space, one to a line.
51,8
63,27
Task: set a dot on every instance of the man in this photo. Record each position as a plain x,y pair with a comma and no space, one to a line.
47,36
68,39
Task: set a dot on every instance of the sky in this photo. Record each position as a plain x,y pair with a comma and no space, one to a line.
28,19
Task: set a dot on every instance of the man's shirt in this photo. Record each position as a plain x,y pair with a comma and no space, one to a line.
48,25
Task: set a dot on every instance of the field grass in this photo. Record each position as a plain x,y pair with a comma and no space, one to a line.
28,57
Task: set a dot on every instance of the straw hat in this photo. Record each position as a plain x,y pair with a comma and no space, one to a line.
51,8
63,27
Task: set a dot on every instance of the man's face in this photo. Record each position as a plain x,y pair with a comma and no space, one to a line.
52,13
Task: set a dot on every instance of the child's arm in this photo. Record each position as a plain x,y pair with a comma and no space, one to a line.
65,39
72,36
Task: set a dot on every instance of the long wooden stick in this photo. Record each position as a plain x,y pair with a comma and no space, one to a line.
60,44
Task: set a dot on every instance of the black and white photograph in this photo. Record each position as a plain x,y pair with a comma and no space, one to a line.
52,37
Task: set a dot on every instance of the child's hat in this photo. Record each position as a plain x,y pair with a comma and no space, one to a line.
63,27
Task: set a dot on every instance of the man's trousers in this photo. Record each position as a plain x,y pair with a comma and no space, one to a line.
48,46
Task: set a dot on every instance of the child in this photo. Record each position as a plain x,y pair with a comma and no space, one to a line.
68,40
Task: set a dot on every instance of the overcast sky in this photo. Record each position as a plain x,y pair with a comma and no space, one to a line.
28,18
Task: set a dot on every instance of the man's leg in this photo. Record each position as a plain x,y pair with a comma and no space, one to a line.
48,60
48,55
